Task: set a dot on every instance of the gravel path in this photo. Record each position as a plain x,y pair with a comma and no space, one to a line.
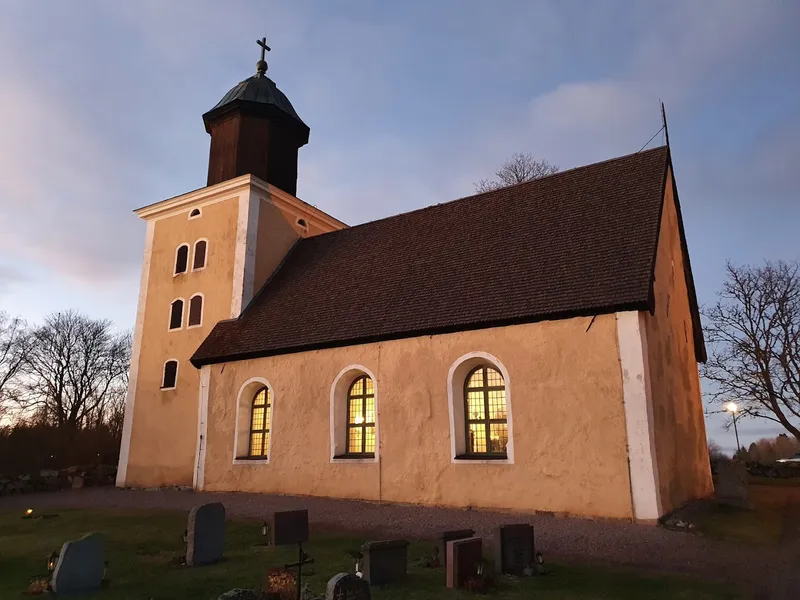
771,573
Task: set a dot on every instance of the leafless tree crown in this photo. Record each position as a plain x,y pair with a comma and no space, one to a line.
13,352
519,168
754,333
76,370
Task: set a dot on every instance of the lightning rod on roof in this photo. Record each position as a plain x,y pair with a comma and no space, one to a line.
664,121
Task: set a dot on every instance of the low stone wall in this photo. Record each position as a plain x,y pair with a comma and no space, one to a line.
50,480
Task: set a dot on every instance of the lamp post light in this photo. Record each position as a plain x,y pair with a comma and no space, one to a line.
733,409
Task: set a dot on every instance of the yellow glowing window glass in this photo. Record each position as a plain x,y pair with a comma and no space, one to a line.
361,417
260,416
485,412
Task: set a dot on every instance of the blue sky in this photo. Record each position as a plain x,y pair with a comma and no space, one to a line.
409,103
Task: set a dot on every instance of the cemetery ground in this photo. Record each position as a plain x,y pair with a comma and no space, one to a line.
739,553
144,547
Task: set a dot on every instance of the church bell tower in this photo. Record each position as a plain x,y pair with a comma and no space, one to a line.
255,130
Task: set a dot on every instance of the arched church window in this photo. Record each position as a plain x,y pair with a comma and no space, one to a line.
361,417
170,378
176,314
195,213
199,255
181,259
485,412
195,310
260,417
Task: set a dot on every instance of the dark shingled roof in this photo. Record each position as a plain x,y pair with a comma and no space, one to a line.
580,242
260,90
259,95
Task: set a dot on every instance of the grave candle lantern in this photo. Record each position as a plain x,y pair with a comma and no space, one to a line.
52,560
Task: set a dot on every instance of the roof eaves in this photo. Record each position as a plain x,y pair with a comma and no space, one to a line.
198,362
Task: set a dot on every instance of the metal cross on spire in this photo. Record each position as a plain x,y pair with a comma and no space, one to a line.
261,65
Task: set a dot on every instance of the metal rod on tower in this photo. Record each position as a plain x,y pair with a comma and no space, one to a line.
664,121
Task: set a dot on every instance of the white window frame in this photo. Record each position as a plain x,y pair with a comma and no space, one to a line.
456,377
244,407
338,414
189,310
169,314
194,252
188,259
163,372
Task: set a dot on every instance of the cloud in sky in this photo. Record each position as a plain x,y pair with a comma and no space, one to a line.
409,104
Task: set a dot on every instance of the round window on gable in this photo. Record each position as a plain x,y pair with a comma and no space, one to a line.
195,213
302,223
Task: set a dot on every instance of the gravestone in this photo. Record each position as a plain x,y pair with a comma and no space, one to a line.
464,558
385,562
346,586
449,536
205,541
513,549
289,527
80,566
730,483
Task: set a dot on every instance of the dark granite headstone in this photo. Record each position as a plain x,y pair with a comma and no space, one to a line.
346,586
205,541
513,549
449,536
385,562
80,566
464,558
289,527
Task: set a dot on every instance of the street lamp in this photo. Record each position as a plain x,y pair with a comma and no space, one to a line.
733,409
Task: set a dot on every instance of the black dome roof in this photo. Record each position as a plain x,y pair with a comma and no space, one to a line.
257,91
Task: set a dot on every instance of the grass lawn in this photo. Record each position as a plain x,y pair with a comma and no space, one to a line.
142,546
743,525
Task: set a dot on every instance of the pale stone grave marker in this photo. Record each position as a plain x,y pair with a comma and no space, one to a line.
205,541
464,558
385,562
730,483
80,566
346,586
513,549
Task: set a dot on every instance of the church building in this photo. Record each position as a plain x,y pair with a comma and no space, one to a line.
533,348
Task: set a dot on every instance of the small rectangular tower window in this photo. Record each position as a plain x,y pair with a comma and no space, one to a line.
170,377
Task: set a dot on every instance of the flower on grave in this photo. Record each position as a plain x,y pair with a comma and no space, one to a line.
38,586
281,583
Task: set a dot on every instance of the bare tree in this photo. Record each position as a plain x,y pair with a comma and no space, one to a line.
13,350
76,366
520,167
754,333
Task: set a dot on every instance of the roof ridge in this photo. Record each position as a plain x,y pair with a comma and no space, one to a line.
464,198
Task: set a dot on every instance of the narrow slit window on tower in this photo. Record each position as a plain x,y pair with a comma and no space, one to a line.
170,378
176,314
196,310
195,213
199,262
181,259
302,223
